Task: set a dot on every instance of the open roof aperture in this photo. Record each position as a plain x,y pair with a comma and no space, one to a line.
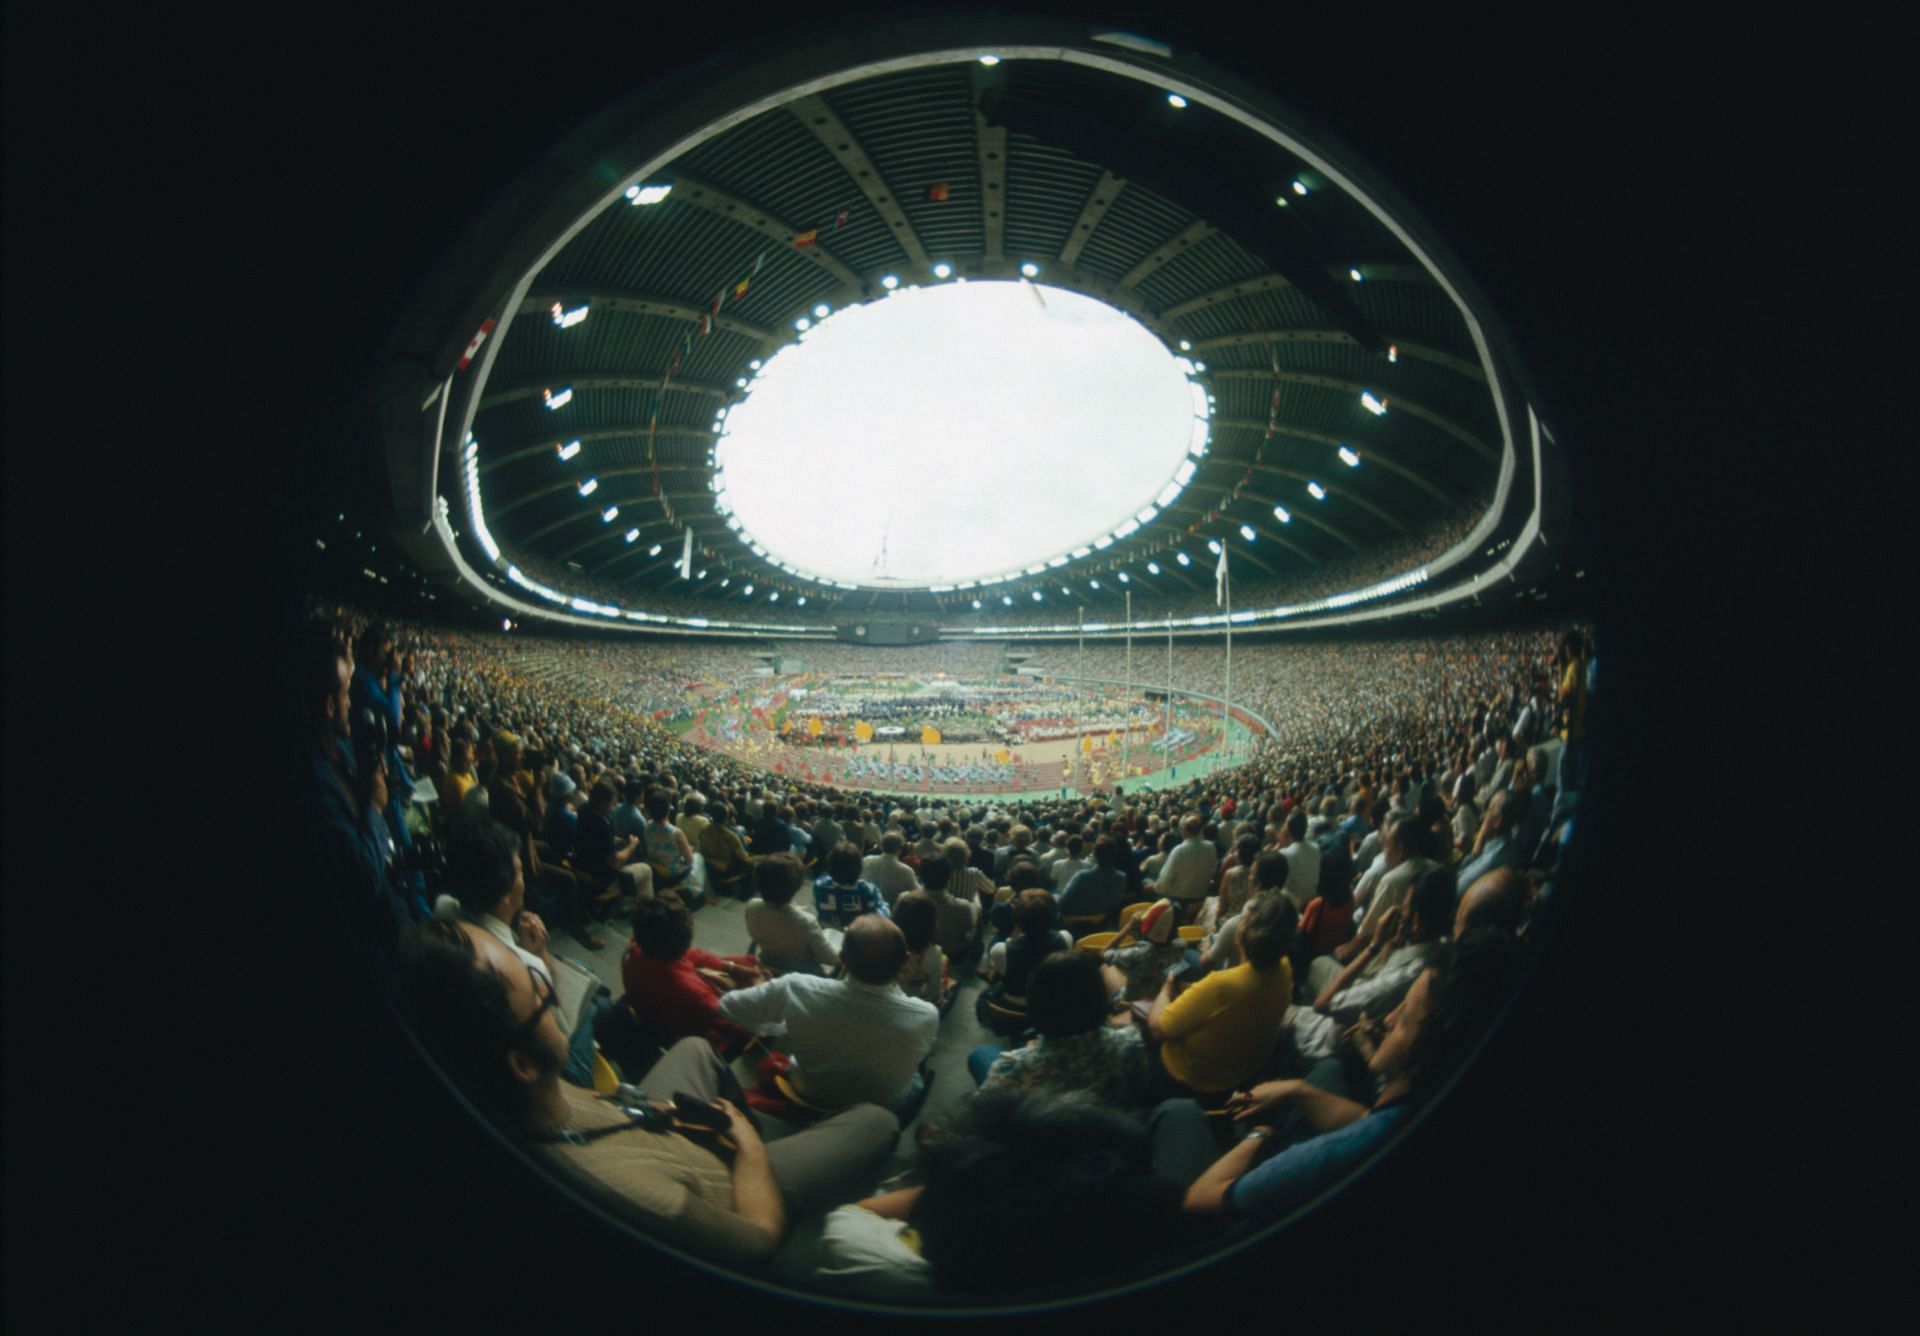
947,433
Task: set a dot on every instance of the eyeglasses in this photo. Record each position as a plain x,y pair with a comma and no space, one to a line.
548,1000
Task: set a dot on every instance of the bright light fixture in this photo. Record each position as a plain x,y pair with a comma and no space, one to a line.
976,605
1354,274
740,382
1319,492
1299,188
1185,347
560,398
565,319
1094,584
632,534
1183,558
653,551
1213,546
638,195
747,592
1280,513
890,282
1124,578
1393,352
569,450
1281,200
803,324
822,311
725,581
1007,599
610,514
1153,568
1373,403
989,60
1246,532
943,270
800,602
1036,596
1030,269
1175,100
1349,458
754,365
587,487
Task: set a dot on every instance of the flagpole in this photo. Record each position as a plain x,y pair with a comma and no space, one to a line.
1167,732
1226,713
1127,698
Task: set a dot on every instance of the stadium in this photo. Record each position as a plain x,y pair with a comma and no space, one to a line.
1003,493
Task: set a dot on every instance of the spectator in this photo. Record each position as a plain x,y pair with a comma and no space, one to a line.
1100,889
1069,864
925,974
601,857
790,939
886,872
954,929
1218,1033
352,843
1138,959
841,894
490,1018
667,852
1187,876
1303,861
729,866
1076,1049
851,1040
673,986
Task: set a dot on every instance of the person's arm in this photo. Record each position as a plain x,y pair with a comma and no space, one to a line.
1167,1019
819,947
1208,1193
756,1197
1359,962
892,1205
1321,1110
763,1004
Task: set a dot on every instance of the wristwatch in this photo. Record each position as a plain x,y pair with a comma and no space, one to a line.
1258,1134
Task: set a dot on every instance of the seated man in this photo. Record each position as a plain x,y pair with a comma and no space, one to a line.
601,857
852,1040
885,870
1445,1012
954,930
1099,889
1018,1166
1217,1034
490,1019
483,868
1374,981
1186,878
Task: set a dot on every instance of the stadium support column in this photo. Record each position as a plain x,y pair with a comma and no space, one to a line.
1080,670
1166,733
1226,708
1129,696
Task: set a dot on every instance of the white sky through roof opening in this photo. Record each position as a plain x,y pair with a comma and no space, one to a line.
956,432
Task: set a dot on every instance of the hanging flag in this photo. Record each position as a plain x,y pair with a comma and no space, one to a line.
706,325
686,555
758,260
840,220
806,238
673,364
938,192
486,328
740,288
1220,579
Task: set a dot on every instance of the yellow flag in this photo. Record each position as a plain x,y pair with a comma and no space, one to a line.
814,727
929,735
864,731
1086,744
1005,756
786,727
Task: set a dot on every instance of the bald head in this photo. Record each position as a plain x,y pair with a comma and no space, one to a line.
874,949
1498,899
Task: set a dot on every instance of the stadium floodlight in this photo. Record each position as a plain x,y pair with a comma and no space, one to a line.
638,195
1175,101
801,602
569,450
632,534
725,581
610,514
1280,513
1125,578
702,574
1319,492
1036,568
1183,558
1036,596
1299,188
1354,274
1093,584
1373,403
822,311
989,60
1213,546
1184,474
1103,542
803,324
564,319
1007,599
747,592
1393,352
1030,269
1081,551
740,382
1351,460
755,364
1129,528
976,605
1146,514
943,270
890,281
653,551
1153,568
774,597
1056,561
558,398
588,487
1246,532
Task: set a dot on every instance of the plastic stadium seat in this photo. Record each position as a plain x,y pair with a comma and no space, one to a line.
605,1079
1131,912
1081,922
1096,941
1192,933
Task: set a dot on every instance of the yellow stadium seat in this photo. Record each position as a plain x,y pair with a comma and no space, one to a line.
1096,941
1131,912
605,1079
792,1096
1192,932
1080,922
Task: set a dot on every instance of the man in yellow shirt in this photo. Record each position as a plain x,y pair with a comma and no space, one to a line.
1215,1035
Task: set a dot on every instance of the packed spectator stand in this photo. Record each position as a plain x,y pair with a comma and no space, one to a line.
1199,1007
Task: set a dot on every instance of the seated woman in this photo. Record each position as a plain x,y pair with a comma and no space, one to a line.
790,939
729,865
925,974
1236,885
1010,964
1326,924
1141,954
673,986
668,852
1217,1034
1072,1195
1077,1049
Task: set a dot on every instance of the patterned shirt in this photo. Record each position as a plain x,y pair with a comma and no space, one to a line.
1110,1063
840,905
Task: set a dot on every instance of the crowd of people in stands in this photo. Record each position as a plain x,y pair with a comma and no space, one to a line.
1211,1002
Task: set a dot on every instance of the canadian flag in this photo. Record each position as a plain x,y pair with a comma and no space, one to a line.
474,346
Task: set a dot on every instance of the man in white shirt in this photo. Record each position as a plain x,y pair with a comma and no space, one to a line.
1186,878
1377,978
1070,862
886,871
1303,861
852,1040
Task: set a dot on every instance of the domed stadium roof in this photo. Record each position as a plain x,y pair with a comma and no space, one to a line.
1350,392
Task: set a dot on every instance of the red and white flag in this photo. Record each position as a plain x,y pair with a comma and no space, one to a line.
474,347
